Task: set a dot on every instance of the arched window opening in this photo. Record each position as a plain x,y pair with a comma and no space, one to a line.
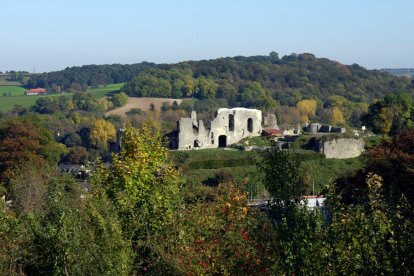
231,122
250,125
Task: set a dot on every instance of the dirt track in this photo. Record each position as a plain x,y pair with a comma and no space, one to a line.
141,103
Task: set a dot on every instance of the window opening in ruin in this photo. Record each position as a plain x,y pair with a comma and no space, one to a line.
250,125
212,138
222,141
231,122
196,143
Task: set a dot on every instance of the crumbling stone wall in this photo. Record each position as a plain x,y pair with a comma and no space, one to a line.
342,148
228,127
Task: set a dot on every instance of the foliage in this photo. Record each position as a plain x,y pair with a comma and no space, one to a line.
24,141
77,236
389,115
223,237
298,232
307,109
337,118
102,132
375,237
247,81
144,187
119,99
90,75
283,176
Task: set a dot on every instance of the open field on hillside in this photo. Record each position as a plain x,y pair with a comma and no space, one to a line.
7,103
12,89
108,90
141,103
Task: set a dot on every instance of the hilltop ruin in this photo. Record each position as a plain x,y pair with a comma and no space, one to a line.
229,126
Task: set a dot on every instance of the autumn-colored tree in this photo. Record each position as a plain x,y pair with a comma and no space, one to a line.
25,142
144,187
390,114
307,109
336,117
102,132
105,103
223,237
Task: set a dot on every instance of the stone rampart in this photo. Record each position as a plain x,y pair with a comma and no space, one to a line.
342,148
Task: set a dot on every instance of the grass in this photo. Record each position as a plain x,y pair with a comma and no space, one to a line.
107,90
7,103
12,89
204,167
322,172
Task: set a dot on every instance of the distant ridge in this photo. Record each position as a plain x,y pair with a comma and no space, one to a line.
399,72
262,81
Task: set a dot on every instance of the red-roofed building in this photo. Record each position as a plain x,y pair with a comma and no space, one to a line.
271,132
36,91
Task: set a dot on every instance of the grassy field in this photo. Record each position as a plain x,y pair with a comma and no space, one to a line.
13,90
7,103
105,91
209,165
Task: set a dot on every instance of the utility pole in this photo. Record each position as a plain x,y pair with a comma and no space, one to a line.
313,187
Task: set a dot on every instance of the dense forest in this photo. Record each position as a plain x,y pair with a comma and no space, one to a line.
248,81
286,80
337,94
79,78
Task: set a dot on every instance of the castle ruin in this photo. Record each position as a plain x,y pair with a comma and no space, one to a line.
229,126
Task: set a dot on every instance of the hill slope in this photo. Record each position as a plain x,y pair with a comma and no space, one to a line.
250,81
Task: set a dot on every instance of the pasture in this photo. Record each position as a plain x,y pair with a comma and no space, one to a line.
11,90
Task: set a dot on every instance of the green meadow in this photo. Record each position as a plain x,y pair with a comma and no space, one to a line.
12,90
18,98
206,166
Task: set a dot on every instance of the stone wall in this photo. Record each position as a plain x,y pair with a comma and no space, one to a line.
228,127
342,148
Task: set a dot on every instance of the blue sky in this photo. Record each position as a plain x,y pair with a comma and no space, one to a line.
47,35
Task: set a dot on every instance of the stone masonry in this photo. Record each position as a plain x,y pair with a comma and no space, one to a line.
342,148
229,126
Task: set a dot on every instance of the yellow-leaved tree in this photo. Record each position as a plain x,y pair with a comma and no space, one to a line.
337,118
102,132
145,188
307,109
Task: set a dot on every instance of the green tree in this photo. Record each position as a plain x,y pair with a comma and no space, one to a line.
24,141
144,187
207,234
75,236
254,95
389,115
120,99
298,232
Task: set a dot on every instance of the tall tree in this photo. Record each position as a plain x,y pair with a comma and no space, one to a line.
144,187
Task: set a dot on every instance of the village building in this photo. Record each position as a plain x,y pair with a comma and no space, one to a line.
35,91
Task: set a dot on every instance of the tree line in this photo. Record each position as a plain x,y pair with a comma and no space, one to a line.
79,78
257,81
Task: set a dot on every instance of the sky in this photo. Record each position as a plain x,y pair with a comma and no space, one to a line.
49,35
